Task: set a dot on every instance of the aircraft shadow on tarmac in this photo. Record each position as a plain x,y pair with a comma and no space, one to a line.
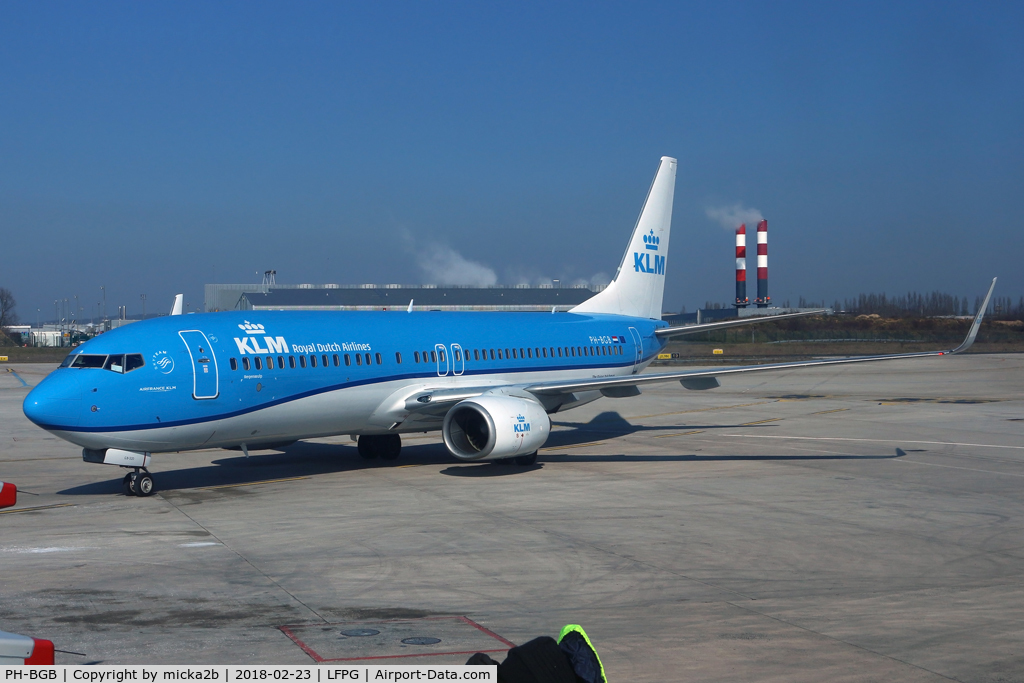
304,459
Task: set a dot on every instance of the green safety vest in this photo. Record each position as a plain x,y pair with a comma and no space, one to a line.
569,628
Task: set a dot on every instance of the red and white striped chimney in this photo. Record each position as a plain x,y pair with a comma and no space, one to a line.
762,300
741,267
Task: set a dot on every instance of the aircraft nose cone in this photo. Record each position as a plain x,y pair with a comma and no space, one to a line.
56,401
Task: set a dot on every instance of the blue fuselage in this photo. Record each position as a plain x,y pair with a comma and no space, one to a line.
221,379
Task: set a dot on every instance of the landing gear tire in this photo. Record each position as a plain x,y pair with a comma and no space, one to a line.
144,484
390,446
128,484
365,446
383,446
526,460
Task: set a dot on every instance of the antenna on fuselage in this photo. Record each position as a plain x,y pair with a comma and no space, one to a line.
176,308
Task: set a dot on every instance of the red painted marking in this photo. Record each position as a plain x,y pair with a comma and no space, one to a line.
741,252
762,273
762,226
742,230
8,495
489,632
287,630
305,648
741,275
762,249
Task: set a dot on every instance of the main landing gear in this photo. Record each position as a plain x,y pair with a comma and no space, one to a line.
383,446
138,483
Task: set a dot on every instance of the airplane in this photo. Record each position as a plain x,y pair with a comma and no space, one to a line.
251,380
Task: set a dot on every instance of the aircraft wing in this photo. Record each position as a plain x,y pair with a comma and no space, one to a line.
707,379
723,324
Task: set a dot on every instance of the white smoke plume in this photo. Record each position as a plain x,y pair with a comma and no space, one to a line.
444,266
731,217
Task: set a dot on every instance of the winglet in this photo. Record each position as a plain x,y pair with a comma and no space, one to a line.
977,321
409,310
176,308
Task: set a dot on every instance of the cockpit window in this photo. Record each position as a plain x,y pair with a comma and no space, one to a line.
86,360
118,362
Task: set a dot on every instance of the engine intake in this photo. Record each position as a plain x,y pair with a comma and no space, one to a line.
495,427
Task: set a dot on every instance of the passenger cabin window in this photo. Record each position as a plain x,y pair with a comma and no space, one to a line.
359,359
476,354
312,361
234,364
433,356
380,360
291,361
245,363
513,353
324,359
302,361
458,356
492,354
280,362
258,362
348,360
398,357
270,362
416,356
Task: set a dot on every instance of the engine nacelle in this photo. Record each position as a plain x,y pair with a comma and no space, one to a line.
494,427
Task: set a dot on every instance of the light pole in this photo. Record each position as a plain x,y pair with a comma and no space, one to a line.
103,289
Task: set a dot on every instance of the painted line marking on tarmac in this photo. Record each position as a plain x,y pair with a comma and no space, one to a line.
826,412
38,507
761,422
892,441
401,466
251,483
954,467
199,544
665,436
574,445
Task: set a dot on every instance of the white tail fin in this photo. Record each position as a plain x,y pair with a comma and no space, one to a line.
639,284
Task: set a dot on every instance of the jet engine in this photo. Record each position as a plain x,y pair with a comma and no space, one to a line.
492,427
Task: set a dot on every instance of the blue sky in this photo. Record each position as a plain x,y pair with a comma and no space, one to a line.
154,148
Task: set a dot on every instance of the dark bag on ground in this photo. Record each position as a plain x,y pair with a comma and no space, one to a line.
539,661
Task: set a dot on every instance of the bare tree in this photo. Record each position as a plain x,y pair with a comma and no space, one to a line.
7,305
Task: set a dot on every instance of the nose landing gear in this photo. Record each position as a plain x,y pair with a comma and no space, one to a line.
138,483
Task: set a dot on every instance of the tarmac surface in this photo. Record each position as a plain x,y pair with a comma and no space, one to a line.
863,523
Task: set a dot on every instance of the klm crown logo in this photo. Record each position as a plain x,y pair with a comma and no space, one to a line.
652,242
642,260
251,327
521,426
